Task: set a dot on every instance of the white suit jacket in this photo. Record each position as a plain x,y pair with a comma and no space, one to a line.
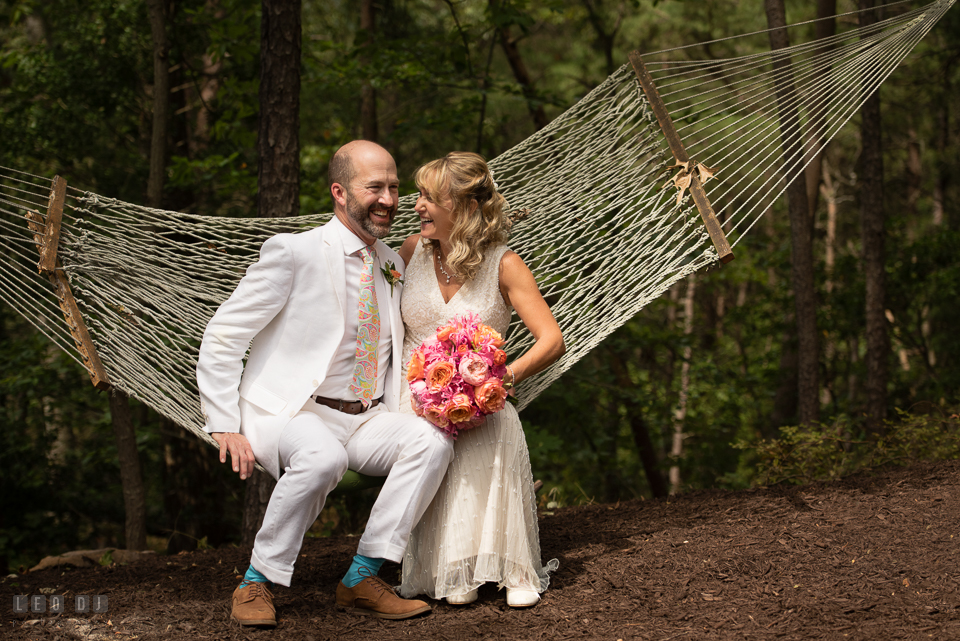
290,304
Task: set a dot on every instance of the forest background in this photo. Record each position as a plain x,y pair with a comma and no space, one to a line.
702,383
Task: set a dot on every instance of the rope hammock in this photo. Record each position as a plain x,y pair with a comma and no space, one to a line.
613,222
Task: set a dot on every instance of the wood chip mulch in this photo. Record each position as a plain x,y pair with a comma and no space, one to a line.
876,556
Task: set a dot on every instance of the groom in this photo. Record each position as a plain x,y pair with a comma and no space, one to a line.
320,389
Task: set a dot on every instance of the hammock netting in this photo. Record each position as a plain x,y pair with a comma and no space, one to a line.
606,234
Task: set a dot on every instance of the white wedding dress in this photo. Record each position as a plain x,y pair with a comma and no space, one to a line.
482,524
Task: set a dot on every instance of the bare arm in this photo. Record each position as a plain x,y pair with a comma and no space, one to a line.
519,289
408,248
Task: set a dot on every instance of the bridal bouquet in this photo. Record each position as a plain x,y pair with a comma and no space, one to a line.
456,377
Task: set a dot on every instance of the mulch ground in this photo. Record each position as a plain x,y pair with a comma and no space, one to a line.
871,557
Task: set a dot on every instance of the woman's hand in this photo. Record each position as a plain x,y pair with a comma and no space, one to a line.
519,289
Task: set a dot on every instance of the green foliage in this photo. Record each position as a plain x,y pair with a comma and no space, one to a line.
76,98
807,453
54,464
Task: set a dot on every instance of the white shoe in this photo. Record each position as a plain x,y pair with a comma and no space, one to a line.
462,599
522,598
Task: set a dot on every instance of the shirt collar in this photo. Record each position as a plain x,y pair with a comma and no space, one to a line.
351,242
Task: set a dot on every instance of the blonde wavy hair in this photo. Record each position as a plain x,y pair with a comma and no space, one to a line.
462,177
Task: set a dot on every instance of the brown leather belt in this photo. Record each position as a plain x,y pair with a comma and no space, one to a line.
347,407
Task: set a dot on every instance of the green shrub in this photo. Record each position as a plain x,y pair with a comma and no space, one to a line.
817,452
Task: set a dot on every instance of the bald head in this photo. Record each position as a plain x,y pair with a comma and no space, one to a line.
342,166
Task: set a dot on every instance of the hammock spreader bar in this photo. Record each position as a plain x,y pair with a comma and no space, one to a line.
724,252
51,239
50,266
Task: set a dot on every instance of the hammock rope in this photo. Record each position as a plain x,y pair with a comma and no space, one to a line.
606,235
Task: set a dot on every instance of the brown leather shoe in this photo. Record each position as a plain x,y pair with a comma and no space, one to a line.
253,605
374,597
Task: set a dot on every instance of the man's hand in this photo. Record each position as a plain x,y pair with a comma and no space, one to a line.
240,452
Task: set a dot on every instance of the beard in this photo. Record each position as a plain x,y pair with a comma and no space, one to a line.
361,215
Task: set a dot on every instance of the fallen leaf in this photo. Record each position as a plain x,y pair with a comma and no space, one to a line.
706,173
682,182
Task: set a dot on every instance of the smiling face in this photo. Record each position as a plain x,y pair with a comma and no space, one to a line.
368,204
436,216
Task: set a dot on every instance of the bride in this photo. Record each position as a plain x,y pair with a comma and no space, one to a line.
482,524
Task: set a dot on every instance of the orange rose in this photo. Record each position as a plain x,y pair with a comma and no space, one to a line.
435,414
459,409
499,357
490,396
444,332
485,331
439,375
415,366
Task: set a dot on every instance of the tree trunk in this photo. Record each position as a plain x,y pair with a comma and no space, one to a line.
134,497
680,416
131,478
161,101
279,177
829,192
484,84
801,245
605,39
279,135
368,95
942,179
823,29
255,499
640,430
914,180
647,452
872,230
520,72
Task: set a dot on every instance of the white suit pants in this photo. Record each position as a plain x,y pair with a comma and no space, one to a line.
317,447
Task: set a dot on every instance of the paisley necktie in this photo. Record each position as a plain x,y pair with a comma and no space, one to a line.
368,333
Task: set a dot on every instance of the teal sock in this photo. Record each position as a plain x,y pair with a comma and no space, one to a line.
369,566
252,576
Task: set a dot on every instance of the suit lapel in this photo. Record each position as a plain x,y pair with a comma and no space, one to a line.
396,321
332,249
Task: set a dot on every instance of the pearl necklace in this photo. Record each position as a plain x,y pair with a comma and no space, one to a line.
442,270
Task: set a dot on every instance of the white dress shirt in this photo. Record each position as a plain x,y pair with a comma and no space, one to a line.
340,375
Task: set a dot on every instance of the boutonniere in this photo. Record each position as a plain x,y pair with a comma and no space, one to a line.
391,275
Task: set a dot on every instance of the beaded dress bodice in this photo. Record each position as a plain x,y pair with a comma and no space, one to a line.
424,310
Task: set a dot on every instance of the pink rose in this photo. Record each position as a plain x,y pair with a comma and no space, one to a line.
416,405
490,396
473,369
418,388
475,421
